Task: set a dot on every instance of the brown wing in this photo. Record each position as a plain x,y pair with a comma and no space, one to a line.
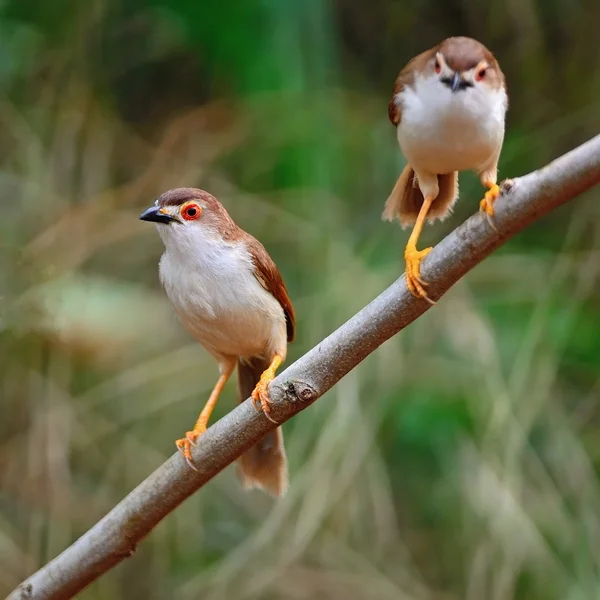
406,77
394,111
269,277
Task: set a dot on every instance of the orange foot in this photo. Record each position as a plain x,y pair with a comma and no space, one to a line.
413,258
184,445
260,394
487,204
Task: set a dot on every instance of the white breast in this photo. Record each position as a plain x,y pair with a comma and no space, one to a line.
442,132
217,297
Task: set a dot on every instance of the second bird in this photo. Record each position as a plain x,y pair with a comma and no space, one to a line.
448,106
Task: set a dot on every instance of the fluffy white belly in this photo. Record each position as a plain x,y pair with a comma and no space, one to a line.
221,303
442,132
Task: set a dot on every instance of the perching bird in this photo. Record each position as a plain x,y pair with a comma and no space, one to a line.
229,295
448,106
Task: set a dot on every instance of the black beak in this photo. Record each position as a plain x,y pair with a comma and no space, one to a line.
455,84
153,214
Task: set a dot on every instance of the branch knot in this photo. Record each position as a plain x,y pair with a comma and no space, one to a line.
295,391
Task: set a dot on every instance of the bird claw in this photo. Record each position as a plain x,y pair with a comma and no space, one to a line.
184,445
414,282
260,398
191,464
487,204
491,222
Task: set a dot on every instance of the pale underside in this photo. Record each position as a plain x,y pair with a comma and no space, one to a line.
442,132
218,299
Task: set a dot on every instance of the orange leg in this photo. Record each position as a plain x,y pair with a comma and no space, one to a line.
260,394
413,257
184,444
487,204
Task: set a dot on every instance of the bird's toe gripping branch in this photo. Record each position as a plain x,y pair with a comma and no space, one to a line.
260,394
184,445
487,204
413,258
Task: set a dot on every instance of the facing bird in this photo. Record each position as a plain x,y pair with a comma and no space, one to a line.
229,295
448,106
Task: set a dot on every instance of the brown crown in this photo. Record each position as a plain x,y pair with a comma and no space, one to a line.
179,196
463,53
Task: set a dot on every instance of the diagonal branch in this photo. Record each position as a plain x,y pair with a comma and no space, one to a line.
115,537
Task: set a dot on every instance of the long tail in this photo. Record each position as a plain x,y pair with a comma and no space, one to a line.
264,466
406,198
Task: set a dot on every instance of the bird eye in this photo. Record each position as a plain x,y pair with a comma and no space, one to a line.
191,211
437,66
481,74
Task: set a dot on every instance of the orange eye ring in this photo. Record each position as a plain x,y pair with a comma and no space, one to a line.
481,74
437,67
191,211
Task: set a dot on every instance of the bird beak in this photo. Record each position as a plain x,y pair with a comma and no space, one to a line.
455,84
157,215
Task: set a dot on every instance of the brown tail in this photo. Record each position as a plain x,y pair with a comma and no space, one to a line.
264,466
406,198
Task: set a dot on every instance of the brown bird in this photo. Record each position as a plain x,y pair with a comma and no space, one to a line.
448,106
229,295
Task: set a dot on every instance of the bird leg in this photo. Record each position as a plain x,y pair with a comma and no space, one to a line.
260,394
487,204
413,257
184,444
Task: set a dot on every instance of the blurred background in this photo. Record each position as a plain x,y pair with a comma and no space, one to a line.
459,461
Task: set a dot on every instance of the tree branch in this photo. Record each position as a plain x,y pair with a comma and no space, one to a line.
116,536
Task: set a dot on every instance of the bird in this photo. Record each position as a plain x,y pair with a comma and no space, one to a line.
229,295
449,107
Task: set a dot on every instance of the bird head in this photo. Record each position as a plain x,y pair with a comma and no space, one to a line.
187,216
463,64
